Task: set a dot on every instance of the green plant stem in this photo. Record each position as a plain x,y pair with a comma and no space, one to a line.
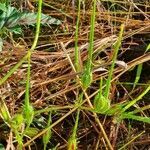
77,53
53,108
13,69
30,51
87,99
138,75
37,25
79,101
135,117
48,134
87,76
90,49
137,99
51,126
116,49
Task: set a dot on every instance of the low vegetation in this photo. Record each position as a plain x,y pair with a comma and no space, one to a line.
74,74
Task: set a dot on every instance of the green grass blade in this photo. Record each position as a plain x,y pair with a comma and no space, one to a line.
77,53
32,48
28,109
134,117
116,49
48,134
148,48
4,112
11,71
138,75
139,70
72,143
87,76
91,44
137,99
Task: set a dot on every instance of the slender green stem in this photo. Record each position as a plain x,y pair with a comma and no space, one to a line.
13,69
77,53
37,25
116,49
32,48
90,49
137,99
30,51
53,108
87,76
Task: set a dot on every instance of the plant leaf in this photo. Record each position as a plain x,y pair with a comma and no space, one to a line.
12,17
138,118
3,7
2,146
30,18
1,44
28,114
148,48
4,112
86,79
31,132
2,20
138,74
17,121
47,136
17,29
101,104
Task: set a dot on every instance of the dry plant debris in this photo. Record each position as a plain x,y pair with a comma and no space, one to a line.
53,79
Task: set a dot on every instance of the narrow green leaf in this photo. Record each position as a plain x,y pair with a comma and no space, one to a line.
77,53
116,49
4,113
47,136
1,44
17,121
138,74
87,75
131,103
86,79
28,113
31,132
3,7
148,48
134,117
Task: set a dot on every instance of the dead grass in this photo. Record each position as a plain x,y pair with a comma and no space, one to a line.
53,80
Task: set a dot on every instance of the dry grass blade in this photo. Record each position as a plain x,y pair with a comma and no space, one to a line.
54,88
